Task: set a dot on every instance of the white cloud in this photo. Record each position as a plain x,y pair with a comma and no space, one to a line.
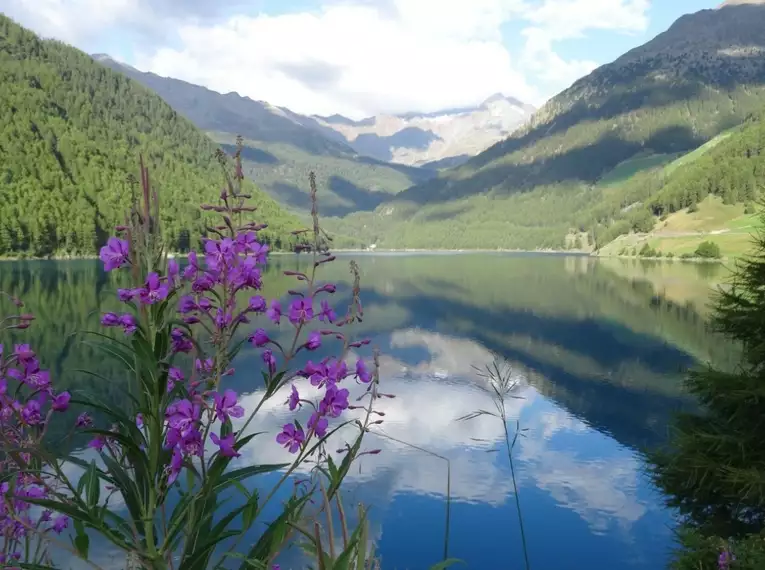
356,57
430,395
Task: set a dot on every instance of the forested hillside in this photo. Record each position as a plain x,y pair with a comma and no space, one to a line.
733,169
281,149
560,175
70,135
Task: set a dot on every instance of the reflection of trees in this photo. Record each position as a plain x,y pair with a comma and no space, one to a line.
607,347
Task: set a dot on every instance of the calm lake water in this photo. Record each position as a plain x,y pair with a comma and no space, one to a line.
597,347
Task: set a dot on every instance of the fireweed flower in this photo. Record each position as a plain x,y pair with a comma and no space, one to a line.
725,559
186,304
257,304
270,360
294,399
259,338
207,365
314,340
361,372
174,375
334,402
83,420
154,290
180,342
318,424
301,311
114,254
225,405
226,445
129,324
110,320
61,402
274,312
327,313
125,295
291,438
60,523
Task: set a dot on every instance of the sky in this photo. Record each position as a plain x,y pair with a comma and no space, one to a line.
360,57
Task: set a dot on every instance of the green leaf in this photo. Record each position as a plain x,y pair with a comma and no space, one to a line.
239,474
277,532
250,511
92,485
81,541
127,487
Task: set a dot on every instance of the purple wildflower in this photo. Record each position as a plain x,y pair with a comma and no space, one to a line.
327,313
24,353
207,365
154,290
225,405
314,340
125,295
114,254
60,523
291,437
182,414
172,271
174,375
318,424
180,342
274,312
36,378
83,420
259,338
110,320
30,414
361,372
97,442
61,402
725,559
270,360
258,303
301,311
129,323
294,399
334,402
186,304
176,462
226,445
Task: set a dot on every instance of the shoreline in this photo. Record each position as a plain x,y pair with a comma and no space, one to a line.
405,251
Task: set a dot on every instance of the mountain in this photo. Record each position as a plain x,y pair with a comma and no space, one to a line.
70,135
440,139
555,175
282,147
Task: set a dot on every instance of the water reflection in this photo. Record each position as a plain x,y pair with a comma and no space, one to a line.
598,349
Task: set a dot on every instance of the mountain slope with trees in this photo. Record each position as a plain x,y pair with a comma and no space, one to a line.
704,75
282,147
71,132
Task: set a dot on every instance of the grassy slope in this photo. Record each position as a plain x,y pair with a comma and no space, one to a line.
724,224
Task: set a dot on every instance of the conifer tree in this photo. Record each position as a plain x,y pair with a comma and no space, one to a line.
713,469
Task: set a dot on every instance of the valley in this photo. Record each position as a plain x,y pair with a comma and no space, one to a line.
489,274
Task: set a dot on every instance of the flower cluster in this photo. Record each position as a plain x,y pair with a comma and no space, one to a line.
27,402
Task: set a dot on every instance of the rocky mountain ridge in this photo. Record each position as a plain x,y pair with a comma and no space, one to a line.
446,137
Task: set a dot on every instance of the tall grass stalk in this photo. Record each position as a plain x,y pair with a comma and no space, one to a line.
498,374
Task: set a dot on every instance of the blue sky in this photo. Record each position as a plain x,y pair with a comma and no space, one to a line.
361,57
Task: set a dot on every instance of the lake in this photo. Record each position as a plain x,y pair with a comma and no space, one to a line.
597,348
